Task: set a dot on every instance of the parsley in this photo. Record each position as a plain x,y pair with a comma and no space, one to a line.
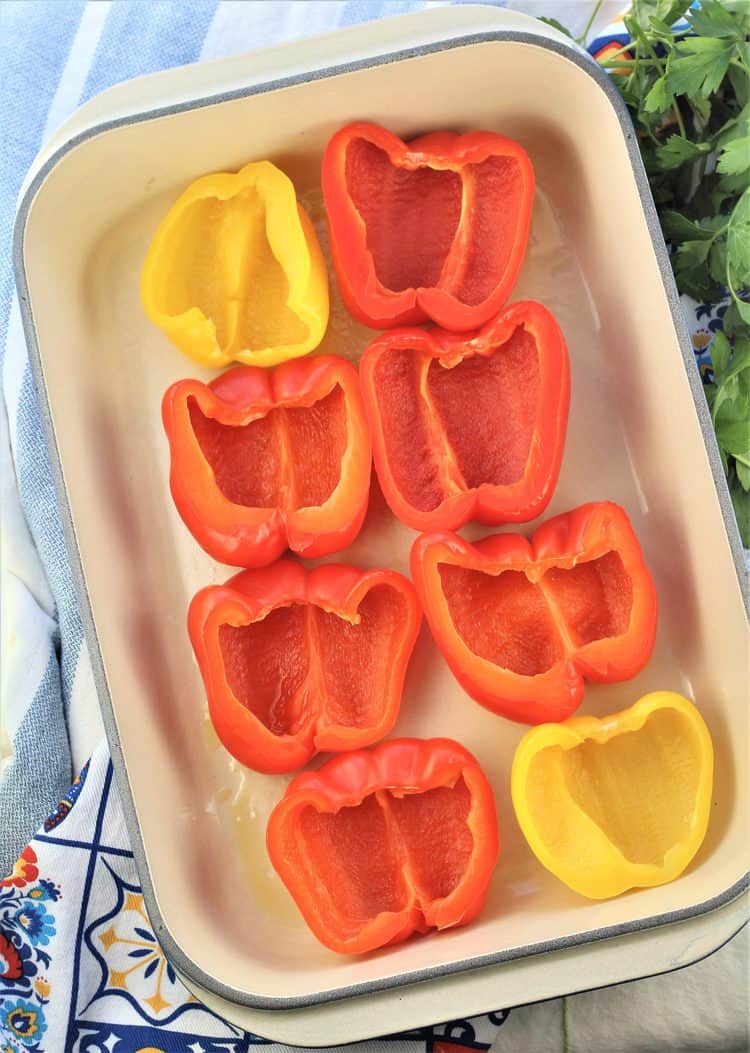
688,93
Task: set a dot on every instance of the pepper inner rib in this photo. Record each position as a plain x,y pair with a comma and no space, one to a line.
290,458
448,430
387,853
301,667
436,227
219,260
528,627
410,215
620,785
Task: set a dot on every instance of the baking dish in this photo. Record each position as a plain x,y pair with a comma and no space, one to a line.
638,417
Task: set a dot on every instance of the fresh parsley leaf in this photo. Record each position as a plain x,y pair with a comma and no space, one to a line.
701,67
660,31
732,322
664,11
692,274
735,157
701,107
658,98
741,502
688,92
729,396
677,150
736,127
714,19
739,365
738,243
677,227
742,350
720,353
732,424
717,262
671,11
742,467
733,185
557,25
740,82
692,253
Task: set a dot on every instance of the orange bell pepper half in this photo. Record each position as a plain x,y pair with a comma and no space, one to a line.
295,661
470,425
431,229
522,623
378,844
265,460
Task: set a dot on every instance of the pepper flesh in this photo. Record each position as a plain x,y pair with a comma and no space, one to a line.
235,271
432,229
619,802
469,426
296,662
266,460
378,844
521,623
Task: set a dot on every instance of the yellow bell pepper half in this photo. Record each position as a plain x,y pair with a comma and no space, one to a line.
235,271
618,803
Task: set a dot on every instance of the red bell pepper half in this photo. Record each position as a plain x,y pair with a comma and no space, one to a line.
431,229
295,661
469,425
521,623
378,844
265,460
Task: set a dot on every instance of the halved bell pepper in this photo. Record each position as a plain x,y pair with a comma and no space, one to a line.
296,661
432,229
619,802
470,425
378,844
521,623
235,271
268,460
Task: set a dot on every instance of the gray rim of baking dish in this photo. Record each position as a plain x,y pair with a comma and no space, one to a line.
173,950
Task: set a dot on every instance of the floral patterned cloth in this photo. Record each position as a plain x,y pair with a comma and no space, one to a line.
80,968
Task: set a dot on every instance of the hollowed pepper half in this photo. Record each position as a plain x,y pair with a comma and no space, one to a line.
235,271
296,662
378,844
431,229
262,461
469,425
618,802
522,623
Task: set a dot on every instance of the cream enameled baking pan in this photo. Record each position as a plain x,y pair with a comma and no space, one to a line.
639,434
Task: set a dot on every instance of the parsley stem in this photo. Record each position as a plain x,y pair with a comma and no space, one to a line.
732,291
594,12
650,48
678,118
614,61
675,106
